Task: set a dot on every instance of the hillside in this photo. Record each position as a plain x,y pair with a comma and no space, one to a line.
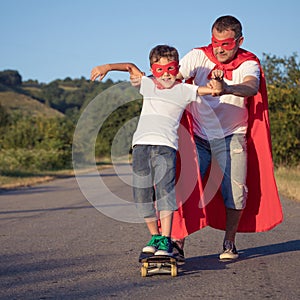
16,102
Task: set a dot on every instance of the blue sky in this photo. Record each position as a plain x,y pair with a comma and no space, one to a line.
54,39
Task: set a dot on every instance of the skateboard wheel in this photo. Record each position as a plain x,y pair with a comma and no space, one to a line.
173,270
143,271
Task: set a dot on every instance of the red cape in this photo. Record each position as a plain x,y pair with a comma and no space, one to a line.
263,209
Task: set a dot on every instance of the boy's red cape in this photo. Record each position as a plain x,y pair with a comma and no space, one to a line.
263,210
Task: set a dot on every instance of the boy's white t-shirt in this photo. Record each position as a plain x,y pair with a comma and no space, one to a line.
217,117
161,112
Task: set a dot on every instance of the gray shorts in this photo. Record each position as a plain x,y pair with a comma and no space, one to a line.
230,153
154,174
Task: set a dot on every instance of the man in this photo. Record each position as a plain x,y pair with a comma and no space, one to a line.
231,133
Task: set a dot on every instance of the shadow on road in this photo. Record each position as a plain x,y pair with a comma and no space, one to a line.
211,262
289,246
71,208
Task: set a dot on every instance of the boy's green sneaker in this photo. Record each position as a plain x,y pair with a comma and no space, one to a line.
152,246
165,247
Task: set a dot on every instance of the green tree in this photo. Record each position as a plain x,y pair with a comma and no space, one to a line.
283,83
10,78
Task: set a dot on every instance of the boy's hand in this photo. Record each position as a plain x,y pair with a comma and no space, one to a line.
99,71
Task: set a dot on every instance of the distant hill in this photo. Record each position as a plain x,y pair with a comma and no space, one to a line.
60,97
16,102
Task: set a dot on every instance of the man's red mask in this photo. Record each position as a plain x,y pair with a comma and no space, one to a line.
171,68
227,44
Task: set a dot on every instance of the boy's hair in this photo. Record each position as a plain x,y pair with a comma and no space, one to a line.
228,23
163,51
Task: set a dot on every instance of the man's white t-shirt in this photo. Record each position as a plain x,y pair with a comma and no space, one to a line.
161,112
217,117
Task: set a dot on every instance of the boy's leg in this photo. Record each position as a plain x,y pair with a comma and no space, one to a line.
153,244
143,192
166,218
165,246
152,225
164,164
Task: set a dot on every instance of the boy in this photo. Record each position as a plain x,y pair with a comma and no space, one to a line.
155,139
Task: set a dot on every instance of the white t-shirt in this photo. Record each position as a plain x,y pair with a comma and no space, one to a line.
161,112
216,117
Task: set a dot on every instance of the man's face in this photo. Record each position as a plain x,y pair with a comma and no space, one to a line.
225,45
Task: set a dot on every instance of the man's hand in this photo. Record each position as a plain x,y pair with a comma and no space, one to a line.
217,74
217,83
135,75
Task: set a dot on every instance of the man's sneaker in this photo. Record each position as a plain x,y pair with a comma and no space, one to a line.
229,251
178,251
165,247
152,246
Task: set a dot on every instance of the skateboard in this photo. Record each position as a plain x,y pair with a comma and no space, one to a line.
157,264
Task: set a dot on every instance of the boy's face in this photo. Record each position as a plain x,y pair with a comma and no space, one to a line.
165,72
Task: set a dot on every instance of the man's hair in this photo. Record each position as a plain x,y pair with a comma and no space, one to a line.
163,51
228,23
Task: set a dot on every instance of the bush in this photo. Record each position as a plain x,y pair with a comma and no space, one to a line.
284,107
36,144
25,160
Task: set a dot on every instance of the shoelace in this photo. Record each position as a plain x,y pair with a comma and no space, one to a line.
228,245
165,242
155,240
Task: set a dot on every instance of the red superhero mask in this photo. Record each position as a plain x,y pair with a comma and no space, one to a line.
227,44
171,68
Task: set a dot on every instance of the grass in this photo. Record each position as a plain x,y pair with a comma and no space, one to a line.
15,180
8,182
26,179
16,102
288,182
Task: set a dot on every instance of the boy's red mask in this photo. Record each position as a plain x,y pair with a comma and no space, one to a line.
227,44
171,68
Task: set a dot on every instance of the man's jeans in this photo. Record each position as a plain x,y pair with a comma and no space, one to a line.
230,153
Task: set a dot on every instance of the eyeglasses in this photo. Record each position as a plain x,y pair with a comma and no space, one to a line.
227,44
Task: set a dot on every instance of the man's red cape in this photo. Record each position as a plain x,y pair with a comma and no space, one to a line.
263,209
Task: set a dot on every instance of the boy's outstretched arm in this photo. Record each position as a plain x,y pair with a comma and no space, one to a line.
101,71
208,90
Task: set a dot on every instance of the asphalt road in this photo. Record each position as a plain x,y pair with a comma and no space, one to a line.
54,244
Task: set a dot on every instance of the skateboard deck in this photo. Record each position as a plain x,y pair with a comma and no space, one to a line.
157,264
